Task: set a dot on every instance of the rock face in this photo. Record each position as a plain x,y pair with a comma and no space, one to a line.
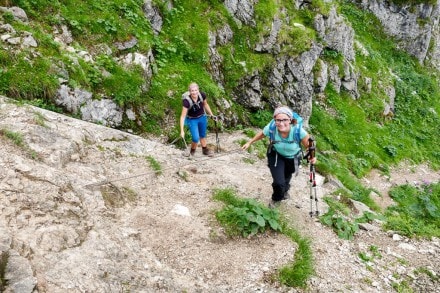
415,27
291,80
288,80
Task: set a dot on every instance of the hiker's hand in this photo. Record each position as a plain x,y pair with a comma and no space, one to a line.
313,160
246,145
215,118
182,134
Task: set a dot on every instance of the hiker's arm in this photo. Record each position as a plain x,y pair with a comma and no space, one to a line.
182,121
257,137
207,108
305,142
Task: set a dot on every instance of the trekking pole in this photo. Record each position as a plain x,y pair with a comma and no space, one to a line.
186,146
174,141
217,140
312,178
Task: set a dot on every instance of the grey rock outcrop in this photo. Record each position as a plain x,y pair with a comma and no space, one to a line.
415,27
78,101
152,13
17,12
289,81
335,32
338,36
243,11
270,44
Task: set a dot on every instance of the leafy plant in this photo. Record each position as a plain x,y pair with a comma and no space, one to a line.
246,217
342,227
368,217
338,215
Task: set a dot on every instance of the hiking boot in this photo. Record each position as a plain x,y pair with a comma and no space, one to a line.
286,195
207,152
274,204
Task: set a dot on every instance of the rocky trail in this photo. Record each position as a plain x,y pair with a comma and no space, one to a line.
82,210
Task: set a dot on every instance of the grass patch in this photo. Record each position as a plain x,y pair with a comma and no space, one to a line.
429,272
247,217
154,164
39,119
258,147
4,256
297,273
15,137
417,210
18,140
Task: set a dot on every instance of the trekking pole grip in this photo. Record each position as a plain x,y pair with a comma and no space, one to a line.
311,149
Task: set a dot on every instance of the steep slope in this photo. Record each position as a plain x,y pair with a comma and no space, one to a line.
81,210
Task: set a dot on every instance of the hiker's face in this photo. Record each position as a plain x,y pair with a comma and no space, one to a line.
282,122
194,91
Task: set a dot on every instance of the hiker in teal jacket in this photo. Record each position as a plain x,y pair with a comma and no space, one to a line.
284,153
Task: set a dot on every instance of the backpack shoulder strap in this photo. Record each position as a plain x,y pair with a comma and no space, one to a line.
272,129
298,126
185,96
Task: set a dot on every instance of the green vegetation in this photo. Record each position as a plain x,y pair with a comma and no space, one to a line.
417,210
179,57
429,272
354,137
258,147
15,137
297,273
370,255
341,225
155,165
402,287
247,217
4,256
40,119
339,218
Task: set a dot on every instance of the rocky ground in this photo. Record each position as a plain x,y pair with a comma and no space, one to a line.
82,210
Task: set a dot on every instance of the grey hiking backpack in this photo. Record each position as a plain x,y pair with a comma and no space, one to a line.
186,96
